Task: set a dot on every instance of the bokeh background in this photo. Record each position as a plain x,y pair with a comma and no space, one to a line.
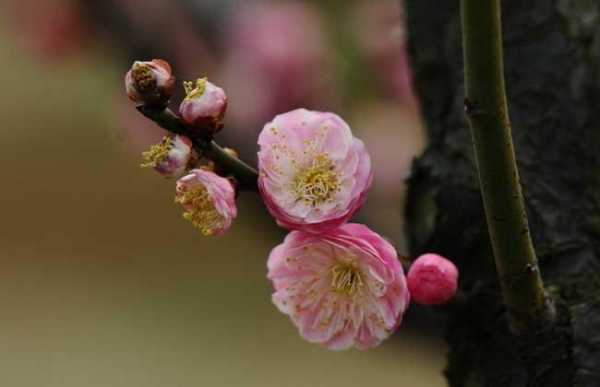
102,283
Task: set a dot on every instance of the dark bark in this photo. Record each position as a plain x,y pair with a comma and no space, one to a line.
552,68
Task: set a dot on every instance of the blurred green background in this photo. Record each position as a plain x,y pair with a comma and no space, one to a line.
102,283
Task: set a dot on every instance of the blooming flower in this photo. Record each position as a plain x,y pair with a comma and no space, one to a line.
170,157
432,280
341,289
208,200
150,83
313,174
204,106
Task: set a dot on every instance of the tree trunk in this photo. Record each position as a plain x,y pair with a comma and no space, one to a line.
552,68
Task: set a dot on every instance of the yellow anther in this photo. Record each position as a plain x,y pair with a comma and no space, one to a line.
317,183
142,75
200,210
157,153
194,90
346,279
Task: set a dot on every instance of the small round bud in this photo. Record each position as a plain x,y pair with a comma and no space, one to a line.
432,280
204,106
151,83
170,157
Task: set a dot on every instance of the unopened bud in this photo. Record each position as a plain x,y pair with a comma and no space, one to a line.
203,107
151,83
432,280
171,157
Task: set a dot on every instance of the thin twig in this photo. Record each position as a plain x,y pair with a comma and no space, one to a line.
487,113
245,175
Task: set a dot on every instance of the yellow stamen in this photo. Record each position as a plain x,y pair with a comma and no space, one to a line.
142,75
200,210
318,183
193,91
157,153
346,279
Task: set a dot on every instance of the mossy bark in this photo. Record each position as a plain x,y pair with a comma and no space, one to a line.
552,69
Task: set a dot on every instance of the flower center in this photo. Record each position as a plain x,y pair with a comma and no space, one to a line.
200,210
143,77
157,153
318,183
193,91
346,279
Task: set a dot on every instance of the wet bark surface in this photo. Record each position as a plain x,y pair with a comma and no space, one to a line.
552,69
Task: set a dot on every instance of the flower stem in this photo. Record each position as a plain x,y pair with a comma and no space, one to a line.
486,110
243,173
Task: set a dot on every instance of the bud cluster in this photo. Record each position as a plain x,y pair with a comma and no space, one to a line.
151,83
208,199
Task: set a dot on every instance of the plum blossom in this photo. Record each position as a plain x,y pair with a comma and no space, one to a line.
344,288
313,174
204,106
150,82
432,280
208,200
170,157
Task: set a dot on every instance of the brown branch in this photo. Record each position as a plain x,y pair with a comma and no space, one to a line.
245,175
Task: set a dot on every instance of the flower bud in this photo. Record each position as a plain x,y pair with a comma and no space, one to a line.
208,200
170,157
204,106
151,83
432,280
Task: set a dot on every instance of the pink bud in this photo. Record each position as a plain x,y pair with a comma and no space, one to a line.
204,106
151,83
432,280
208,200
170,157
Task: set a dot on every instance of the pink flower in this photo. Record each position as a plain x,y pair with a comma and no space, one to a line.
208,200
432,280
150,83
204,106
170,157
341,289
313,174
